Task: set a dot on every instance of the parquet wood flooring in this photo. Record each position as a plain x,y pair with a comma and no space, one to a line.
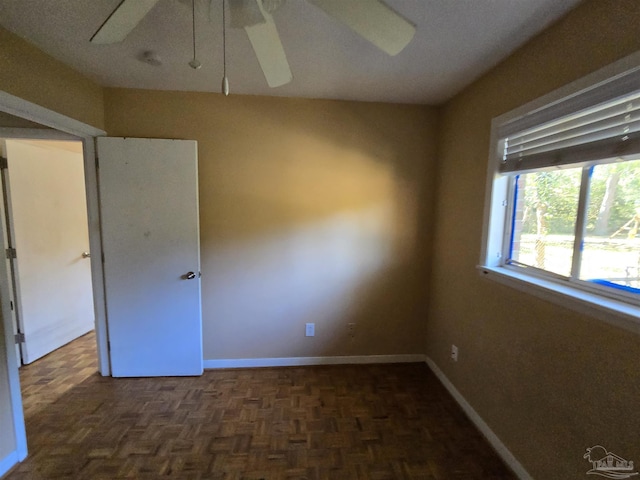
351,422
45,380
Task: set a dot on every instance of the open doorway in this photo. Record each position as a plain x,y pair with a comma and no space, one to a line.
46,229
26,120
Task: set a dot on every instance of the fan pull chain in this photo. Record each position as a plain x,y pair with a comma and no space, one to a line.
225,80
194,63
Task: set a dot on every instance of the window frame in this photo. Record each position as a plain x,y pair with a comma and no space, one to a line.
610,304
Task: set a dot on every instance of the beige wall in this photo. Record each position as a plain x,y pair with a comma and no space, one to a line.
311,211
28,73
548,381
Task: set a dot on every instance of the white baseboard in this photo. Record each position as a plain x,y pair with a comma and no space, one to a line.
8,462
480,424
301,361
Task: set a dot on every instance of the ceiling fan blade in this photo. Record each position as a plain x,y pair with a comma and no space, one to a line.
122,20
245,13
373,20
266,43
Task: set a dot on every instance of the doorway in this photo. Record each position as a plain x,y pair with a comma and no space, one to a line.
22,119
46,228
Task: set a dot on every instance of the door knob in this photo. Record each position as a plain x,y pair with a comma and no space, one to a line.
86,254
190,275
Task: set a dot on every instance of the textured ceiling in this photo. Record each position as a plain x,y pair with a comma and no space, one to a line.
456,42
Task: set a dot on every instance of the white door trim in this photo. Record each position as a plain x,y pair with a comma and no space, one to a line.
86,133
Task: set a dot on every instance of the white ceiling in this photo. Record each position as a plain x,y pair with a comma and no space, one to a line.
456,42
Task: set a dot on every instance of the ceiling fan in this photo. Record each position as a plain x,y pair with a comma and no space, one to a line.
374,20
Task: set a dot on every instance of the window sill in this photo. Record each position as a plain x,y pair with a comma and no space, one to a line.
611,311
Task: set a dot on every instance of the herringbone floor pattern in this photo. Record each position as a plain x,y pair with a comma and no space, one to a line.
359,422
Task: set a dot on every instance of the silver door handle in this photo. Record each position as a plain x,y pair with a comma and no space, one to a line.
190,276
86,254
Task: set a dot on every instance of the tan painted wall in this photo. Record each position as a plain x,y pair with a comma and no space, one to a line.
311,211
29,73
548,381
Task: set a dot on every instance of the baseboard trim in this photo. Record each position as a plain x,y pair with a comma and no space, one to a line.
303,361
496,443
8,462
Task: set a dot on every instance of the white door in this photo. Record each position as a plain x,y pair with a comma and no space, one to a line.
49,229
150,238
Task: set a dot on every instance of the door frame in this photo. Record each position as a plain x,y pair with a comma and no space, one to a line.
65,128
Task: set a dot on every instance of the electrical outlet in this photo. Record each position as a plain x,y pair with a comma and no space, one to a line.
454,353
352,329
310,330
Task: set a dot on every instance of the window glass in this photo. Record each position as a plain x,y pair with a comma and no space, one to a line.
544,219
611,248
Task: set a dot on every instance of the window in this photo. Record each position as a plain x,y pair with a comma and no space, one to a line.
563,205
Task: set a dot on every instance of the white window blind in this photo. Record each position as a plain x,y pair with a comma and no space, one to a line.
600,123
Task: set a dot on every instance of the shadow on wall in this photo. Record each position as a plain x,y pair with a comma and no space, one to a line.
320,273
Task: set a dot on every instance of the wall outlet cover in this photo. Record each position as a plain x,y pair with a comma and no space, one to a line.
310,329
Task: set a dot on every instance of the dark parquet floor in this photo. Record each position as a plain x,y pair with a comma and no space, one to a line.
350,422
